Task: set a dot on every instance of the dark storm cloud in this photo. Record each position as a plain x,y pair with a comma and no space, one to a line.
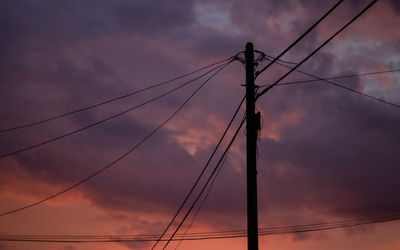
40,33
37,61
69,21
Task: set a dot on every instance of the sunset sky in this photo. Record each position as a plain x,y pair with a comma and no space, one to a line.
324,153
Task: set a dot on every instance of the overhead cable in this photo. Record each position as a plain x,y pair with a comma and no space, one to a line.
206,184
345,87
120,157
110,117
201,173
202,235
317,49
30,124
298,39
333,77
196,213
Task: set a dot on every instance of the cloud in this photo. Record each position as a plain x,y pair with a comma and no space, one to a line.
345,147
325,153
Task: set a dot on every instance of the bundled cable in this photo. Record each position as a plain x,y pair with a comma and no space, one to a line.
201,235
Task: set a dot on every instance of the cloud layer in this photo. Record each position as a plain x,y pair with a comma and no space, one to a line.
324,153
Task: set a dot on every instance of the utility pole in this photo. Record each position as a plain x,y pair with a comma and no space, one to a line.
251,143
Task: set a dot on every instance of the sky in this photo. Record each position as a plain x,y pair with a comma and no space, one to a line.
324,153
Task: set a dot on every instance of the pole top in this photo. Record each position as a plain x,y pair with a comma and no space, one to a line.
249,46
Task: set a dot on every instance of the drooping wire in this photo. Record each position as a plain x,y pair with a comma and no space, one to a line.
344,87
203,236
332,78
206,184
298,39
123,155
52,118
317,49
196,213
201,174
110,117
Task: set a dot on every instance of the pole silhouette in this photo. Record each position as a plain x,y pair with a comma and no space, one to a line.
251,141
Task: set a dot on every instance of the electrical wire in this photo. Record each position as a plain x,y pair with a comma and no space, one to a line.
298,39
317,49
123,155
333,77
343,87
205,235
30,124
201,174
108,118
196,213
206,184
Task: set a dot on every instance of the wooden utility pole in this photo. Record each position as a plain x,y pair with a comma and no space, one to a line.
251,143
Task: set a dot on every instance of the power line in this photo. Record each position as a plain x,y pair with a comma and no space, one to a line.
202,236
122,156
344,87
208,180
298,39
203,200
263,92
317,49
107,101
201,174
108,118
332,78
